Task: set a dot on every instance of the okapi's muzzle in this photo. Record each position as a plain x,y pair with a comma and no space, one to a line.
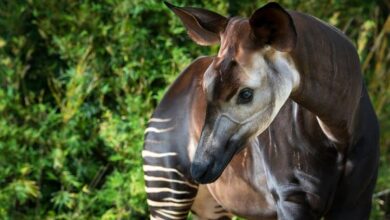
216,148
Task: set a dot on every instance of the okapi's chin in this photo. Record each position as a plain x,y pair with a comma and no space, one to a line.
204,174
209,168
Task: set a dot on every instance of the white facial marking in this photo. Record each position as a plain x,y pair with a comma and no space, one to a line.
289,80
286,67
256,72
272,82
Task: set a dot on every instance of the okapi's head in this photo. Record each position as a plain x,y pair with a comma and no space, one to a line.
246,84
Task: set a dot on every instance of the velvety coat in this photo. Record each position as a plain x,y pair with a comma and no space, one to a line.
318,157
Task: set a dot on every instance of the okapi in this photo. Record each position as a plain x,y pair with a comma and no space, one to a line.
278,125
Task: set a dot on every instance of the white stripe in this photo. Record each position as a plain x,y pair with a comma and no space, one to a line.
168,215
325,129
158,168
160,119
155,218
174,212
167,204
156,130
178,200
146,153
163,189
152,178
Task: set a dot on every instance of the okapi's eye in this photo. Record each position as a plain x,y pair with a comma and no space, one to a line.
245,96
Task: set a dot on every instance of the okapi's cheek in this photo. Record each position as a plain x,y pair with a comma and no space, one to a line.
285,71
254,125
279,79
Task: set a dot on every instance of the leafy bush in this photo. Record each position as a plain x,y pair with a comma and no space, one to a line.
80,78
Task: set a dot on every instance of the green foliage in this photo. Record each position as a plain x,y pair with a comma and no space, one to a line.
78,80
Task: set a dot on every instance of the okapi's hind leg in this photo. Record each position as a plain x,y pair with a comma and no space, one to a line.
170,143
170,194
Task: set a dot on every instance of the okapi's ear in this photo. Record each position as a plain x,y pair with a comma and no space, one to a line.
203,26
272,25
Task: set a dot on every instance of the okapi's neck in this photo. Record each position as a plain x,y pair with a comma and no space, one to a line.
330,78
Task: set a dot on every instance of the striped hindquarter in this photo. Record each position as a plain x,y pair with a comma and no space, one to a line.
170,192
168,146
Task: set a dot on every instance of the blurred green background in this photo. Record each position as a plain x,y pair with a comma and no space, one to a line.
79,79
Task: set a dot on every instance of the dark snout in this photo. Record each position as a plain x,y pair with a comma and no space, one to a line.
215,150
208,163
204,163
199,171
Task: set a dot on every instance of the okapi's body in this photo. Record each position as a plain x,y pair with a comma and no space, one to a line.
314,155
